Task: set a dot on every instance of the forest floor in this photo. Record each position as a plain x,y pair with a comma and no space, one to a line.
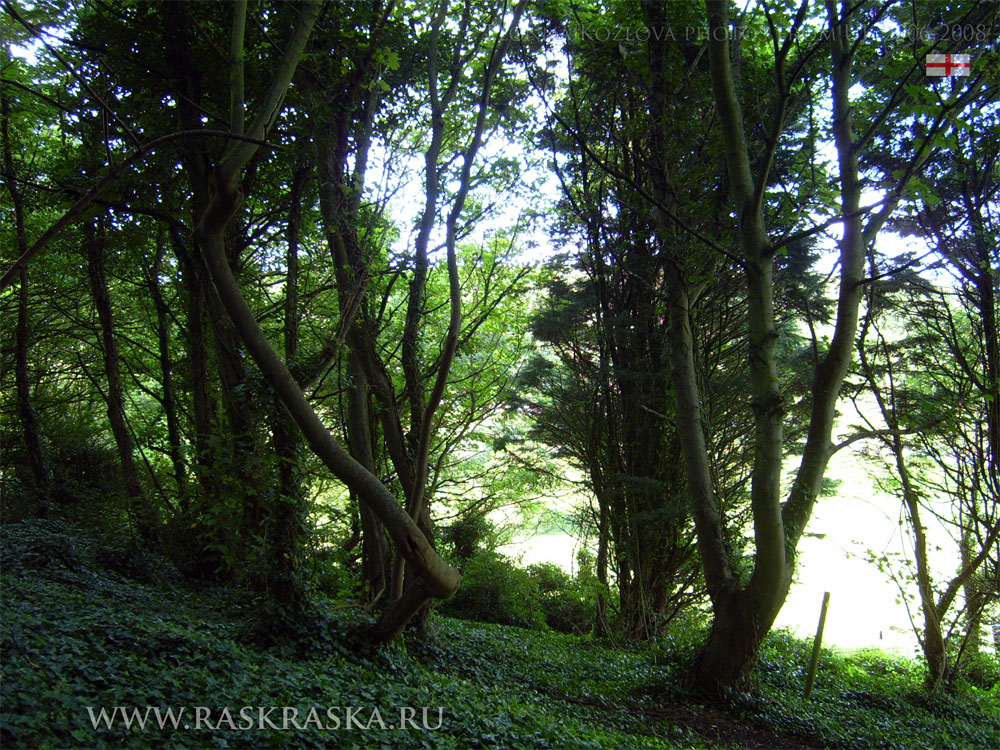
90,625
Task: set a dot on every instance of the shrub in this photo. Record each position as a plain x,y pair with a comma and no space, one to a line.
469,534
131,558
494,589
84,476
328,570
568,604
197,543
981,670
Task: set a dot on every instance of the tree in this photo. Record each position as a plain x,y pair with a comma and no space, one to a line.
744,610
602,397
204,121
26,411
648,201
935,384
212,176
138,505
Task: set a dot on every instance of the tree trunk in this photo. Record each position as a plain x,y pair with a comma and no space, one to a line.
187,79
29,420
933,642
139,507
438,579
246,478
601,622
202,404
285,533
375,557
174,439
744,616
976,599
22,336
733,643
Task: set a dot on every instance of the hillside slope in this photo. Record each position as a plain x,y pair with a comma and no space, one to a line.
88,627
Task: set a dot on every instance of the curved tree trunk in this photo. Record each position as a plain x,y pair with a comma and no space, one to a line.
437,578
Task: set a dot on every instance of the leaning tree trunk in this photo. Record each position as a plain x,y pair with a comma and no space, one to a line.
437,578
976,598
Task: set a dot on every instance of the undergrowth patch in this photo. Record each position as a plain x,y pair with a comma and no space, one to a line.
86,628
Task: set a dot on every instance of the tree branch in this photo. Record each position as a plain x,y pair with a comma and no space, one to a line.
114,173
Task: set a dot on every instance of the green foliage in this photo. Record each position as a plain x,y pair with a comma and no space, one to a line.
470,533
86,472
495,590
76,634
204,544
569,604
865,699
327,572
982,671
131,558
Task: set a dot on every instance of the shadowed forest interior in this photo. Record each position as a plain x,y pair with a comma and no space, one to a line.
317,313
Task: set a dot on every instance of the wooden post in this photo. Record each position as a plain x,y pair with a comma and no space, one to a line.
814,659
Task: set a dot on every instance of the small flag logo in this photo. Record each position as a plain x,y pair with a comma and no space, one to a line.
947,65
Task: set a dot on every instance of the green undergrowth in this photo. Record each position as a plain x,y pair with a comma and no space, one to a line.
77,633
88,623
868,699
